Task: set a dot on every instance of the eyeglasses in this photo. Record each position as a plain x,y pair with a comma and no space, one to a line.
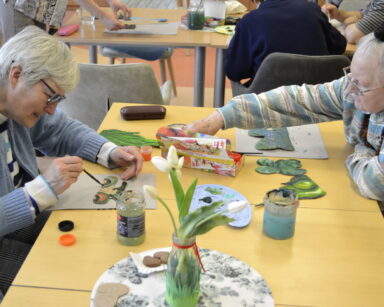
55,96
358,89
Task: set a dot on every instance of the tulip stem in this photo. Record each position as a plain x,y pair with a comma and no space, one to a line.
170,214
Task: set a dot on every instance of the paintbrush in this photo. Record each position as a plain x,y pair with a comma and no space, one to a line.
249,153
94,178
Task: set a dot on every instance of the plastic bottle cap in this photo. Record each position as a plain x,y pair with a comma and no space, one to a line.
66,225
67,239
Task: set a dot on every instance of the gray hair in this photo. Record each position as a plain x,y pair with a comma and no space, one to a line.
40,56
369,46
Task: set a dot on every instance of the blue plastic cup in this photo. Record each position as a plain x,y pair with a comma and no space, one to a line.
280,208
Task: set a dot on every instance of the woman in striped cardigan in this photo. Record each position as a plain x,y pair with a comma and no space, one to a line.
357,99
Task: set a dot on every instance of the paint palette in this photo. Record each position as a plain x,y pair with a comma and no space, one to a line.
207,194
227,30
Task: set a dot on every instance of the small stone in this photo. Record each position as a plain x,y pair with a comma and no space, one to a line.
151,262
163,256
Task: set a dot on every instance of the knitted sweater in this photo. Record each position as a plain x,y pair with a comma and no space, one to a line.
373,17
290,26
54,135
298,105
49,12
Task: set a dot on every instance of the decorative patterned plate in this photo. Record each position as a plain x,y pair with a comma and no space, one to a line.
206,194
227,282
228,30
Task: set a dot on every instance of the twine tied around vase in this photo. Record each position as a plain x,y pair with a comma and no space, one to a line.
195,249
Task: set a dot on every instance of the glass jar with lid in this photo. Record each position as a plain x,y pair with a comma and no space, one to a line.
196,16
130,209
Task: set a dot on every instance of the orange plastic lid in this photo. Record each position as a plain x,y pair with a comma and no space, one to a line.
67,239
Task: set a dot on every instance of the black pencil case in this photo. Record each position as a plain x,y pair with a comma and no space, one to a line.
143,112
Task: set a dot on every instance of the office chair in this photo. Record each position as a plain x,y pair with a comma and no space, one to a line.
135,83
164,54
279,69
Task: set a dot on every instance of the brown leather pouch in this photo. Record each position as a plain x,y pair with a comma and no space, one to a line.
142,112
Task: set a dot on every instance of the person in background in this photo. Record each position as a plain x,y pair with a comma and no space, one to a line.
357,23
17,14
336,3
356,98
290,26
36,70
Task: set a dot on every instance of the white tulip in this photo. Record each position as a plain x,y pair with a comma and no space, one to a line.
172,157
161,164
178,175
150,191
181,163
236,206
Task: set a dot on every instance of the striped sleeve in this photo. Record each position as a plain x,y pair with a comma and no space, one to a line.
367,172
373,17
285,106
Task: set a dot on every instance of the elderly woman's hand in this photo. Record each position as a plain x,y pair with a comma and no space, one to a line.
117,7
209,125
331,11
111,22
63,172
128,157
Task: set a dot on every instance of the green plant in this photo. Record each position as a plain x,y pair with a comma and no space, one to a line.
183,270
198,221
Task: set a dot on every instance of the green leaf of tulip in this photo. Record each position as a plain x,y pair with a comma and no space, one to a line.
212,223
187,200
192,219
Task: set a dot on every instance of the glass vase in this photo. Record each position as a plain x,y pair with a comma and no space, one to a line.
183,274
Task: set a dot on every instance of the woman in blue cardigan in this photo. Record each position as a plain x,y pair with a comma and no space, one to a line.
36,70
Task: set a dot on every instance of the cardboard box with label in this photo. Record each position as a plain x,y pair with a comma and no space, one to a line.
202,151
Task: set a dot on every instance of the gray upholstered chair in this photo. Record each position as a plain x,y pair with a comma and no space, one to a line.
99,84
165,60
279,69
123,52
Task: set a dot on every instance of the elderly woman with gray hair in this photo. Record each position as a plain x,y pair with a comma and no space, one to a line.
357,99
36,70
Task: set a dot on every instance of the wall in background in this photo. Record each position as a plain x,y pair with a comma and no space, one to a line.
354,5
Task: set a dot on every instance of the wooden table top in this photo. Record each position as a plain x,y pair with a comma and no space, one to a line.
335,257
219,40
321,171
95,35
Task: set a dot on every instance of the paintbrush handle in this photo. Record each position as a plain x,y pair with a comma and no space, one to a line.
94,178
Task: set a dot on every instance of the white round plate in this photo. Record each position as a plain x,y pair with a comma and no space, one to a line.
222,193
227,282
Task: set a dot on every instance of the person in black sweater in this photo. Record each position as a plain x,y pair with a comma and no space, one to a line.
290,26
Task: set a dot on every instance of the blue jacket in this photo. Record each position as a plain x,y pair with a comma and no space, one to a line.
291,26
54,135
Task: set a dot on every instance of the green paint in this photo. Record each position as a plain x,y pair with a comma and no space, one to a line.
290,167
304,187
213,191
125,138
273,138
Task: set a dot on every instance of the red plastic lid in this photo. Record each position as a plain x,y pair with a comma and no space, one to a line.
67,239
